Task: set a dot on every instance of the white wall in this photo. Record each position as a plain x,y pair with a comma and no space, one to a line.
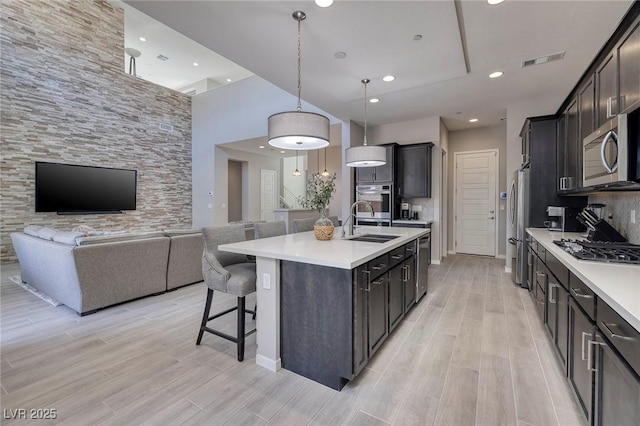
296,184
416,131
230,113
334,165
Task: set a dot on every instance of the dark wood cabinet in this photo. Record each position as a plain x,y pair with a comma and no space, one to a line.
361,276
569,176
383,173
607,89
557,306
409,283
377,312
581,331
414,170
396,295
628,55
586,113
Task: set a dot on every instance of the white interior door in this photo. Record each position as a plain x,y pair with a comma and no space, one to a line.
268,194
476,216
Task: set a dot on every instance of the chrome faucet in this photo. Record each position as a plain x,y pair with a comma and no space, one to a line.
352,216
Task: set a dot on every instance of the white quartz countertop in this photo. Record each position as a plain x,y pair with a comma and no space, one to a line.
337,253
616,284
411,221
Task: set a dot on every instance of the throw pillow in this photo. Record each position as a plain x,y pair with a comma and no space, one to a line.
46,233
32,230
67,237
85,229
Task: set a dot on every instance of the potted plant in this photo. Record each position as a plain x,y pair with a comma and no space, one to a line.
320,189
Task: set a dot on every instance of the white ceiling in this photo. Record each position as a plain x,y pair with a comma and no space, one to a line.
445,74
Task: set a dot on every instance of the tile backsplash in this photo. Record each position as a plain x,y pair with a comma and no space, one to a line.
618,208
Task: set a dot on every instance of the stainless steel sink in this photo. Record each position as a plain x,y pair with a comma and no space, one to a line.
374,238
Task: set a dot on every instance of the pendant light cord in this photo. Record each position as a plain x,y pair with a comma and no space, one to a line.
365,81
299,19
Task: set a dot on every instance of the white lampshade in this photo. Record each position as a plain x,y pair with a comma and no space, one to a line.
366,156
298,130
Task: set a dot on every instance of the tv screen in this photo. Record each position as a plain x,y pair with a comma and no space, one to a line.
66,188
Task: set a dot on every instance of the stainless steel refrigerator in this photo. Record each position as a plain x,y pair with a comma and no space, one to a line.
519,219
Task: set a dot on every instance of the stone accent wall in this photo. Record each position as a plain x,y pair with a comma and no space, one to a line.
619,204
66,98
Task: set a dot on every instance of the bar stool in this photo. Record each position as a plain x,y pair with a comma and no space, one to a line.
227,273
270,229
303,225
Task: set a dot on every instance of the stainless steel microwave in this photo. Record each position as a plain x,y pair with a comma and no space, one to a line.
610,155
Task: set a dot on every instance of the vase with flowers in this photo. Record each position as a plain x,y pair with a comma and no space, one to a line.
320,190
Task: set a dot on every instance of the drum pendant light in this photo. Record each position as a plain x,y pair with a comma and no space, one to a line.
365,156
298,129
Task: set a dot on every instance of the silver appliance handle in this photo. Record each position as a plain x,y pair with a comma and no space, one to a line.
609,137
512,203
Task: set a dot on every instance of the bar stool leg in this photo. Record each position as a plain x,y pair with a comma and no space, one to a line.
241,321
205,317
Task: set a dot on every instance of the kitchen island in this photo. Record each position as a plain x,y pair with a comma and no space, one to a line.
315,298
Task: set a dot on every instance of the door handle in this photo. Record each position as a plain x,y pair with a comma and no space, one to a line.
491,217
590,359
605,326
576,293
368,286
584,333
551,287
609,137
491,211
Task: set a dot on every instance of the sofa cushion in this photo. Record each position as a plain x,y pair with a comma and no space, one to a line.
100,239
32,230
46,233
177,232
67,237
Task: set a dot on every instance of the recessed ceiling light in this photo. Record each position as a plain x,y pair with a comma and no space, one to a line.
195,64
496,74
388,78
282,152
228,80
473,120
494,1
324,3
261,146
143,39
374,100
417,37
339,55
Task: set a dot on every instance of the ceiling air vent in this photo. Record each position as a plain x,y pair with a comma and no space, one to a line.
543,59
162,57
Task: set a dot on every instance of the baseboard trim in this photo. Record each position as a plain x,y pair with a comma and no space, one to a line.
268,363
435,262
501,256
451,252
507,269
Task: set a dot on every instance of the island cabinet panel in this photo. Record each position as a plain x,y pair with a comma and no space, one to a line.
396,295
316,318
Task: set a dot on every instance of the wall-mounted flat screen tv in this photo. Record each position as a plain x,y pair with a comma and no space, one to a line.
76,189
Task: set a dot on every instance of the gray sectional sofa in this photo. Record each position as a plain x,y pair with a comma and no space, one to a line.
87,273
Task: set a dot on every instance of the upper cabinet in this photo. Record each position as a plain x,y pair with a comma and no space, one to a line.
414,170
628,51
611,86
606,84
569,175
380,173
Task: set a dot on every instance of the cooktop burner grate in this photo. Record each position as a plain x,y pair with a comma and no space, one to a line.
602,251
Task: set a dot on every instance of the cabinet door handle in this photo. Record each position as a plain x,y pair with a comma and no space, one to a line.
530,259
376,283
563,183
368,285
576,292
590,358
609,115
590,343
408,273
584,333
397,256
551,287
379,266
404,273
606,328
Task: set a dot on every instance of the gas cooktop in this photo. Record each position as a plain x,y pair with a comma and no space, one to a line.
601,251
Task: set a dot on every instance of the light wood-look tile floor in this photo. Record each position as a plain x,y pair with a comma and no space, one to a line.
472,352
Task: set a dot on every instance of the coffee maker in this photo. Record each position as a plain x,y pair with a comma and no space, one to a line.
563,219
405,211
